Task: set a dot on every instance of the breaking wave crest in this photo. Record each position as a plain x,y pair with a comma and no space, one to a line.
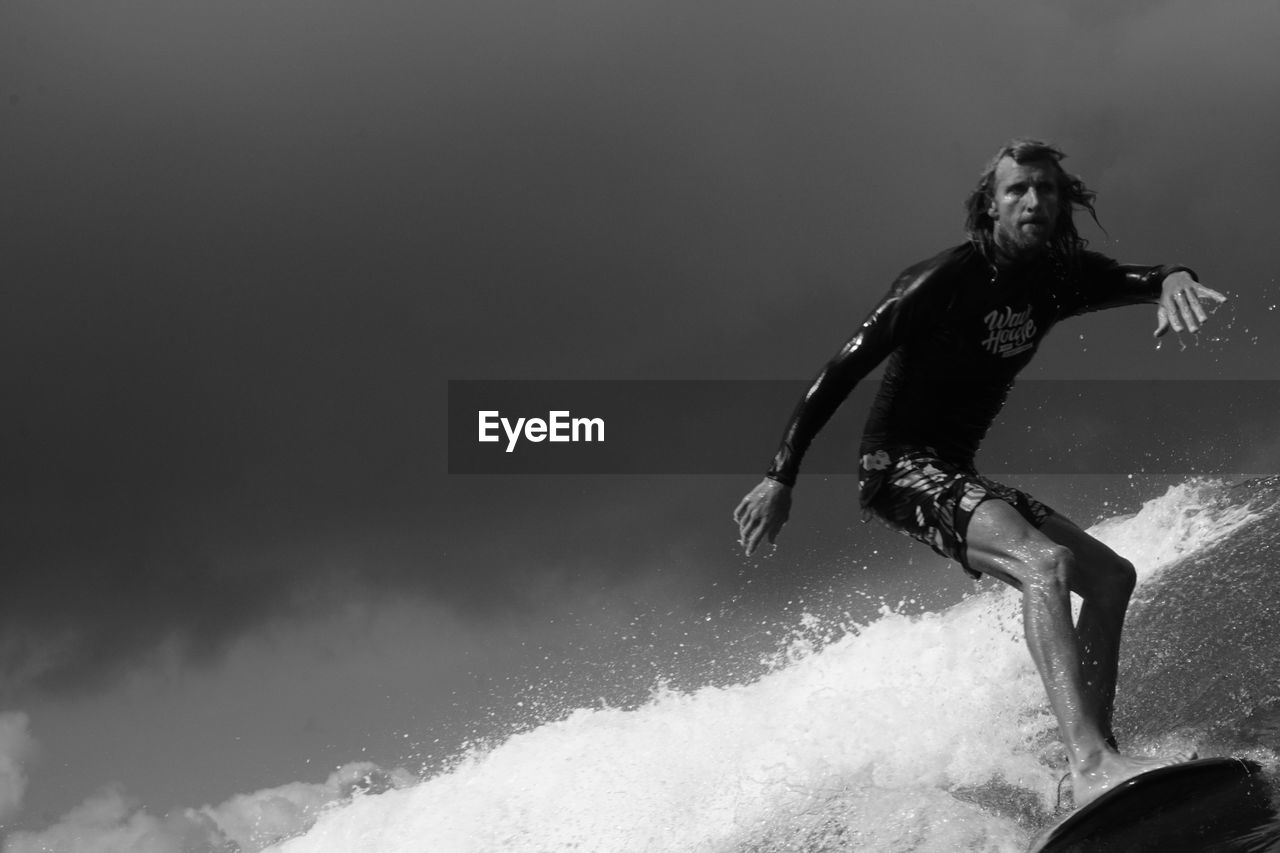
911,733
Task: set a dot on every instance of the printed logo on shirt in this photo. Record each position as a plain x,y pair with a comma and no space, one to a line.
1009,332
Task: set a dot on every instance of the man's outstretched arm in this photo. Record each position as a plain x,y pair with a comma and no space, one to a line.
1184,304
765,509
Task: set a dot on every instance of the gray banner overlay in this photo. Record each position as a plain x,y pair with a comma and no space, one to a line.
733,427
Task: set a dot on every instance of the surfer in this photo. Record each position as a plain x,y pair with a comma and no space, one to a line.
956,329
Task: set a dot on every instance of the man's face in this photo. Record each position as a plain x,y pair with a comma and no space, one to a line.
1024,205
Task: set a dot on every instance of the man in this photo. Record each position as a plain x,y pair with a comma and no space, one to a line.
956,330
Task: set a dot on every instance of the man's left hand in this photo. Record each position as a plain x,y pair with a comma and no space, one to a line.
1182,304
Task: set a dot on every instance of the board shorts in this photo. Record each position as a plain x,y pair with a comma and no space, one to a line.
932,500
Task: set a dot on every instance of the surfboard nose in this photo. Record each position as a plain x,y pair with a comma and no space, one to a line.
1222,805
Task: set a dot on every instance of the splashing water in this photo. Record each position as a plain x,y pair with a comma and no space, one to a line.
859,741
926,733
1190,516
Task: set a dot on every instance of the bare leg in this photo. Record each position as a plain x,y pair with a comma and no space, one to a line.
1003,544
1099,633
1106,584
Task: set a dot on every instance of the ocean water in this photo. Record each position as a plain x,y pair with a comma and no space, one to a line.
920,733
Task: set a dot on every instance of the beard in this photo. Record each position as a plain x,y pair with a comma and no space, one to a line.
1022,242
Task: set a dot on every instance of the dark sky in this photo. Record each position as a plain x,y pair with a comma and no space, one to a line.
244,246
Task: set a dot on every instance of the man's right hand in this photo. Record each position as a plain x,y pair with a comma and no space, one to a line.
762,513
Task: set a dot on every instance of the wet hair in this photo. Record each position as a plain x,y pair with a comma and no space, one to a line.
1066,242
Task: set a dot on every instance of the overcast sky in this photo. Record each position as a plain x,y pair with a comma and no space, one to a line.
244,246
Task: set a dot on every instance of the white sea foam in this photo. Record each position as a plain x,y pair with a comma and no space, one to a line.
923,733
1187,518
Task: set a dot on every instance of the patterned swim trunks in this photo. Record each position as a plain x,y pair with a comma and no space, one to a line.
932,500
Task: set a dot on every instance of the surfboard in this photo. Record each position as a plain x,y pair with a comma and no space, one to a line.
1198,805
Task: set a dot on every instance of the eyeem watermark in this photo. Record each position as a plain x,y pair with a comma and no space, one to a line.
716,427
558,427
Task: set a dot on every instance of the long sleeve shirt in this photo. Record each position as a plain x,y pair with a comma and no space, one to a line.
956,330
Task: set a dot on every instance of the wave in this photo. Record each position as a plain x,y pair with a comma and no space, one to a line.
920,733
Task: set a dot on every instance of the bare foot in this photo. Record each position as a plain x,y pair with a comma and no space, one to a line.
1112,768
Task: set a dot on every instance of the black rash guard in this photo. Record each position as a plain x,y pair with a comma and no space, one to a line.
956,329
